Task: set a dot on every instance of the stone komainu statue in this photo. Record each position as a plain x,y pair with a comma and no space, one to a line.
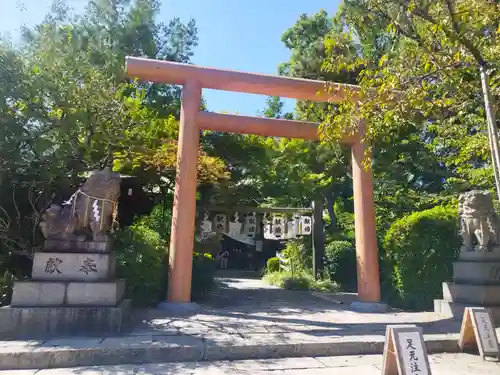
91,210
479,224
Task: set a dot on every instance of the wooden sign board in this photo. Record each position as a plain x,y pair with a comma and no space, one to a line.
405,352
478,332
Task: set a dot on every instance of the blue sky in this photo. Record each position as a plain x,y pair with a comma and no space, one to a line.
234,34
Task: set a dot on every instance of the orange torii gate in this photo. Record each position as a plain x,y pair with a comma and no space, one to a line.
194,79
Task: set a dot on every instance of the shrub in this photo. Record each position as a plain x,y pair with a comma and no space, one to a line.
203,275
273,264
159,220
324,285
343,210
140,260
421,248
286,280
6,284
340,264
274,278
295,253
300,281
296,282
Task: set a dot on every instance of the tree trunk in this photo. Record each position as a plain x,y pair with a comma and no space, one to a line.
329,205
492,127
318,238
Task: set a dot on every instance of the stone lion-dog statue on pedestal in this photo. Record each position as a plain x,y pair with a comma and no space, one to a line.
479,223
92,209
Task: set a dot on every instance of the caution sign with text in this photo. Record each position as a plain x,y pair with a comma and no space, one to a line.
405,352
478,332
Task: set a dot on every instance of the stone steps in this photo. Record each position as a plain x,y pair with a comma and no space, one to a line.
441,364
456,309
74,352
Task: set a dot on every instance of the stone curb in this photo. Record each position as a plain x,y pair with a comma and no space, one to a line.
199,350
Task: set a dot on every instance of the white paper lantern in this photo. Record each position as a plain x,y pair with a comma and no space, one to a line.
290,230
250,227
206,225
305,226
220,221
268,227
278,226
235,226
268,232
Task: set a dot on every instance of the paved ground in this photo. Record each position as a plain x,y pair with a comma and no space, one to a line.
441,364
249,306
244,319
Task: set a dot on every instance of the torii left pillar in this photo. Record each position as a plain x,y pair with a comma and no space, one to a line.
365,226
184,208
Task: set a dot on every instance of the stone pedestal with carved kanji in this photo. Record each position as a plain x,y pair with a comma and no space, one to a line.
70,279
73,288
70,293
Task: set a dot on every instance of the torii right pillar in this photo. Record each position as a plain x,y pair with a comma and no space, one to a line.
365,226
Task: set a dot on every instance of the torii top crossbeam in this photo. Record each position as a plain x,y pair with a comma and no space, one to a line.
228,80
305,89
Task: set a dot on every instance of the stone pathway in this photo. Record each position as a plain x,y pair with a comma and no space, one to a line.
441,364
249,306
244,319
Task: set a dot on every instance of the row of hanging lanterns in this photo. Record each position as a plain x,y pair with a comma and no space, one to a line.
276,226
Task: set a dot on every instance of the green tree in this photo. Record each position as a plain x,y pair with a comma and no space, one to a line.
320,169
67,108
430,75
306,42
274,109
400,167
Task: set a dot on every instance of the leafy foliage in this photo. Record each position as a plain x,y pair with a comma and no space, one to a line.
296,273
6,284
273,265
159,220
420,62
67,108
299,281
421,248
297,257
340,264
140,260
203,275
417,66
413,170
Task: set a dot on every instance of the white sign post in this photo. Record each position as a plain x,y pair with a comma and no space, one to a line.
404,351
478,332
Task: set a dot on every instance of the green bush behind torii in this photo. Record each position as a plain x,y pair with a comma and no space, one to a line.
420,248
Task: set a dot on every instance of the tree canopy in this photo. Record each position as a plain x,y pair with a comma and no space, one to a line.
420,64
67,107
